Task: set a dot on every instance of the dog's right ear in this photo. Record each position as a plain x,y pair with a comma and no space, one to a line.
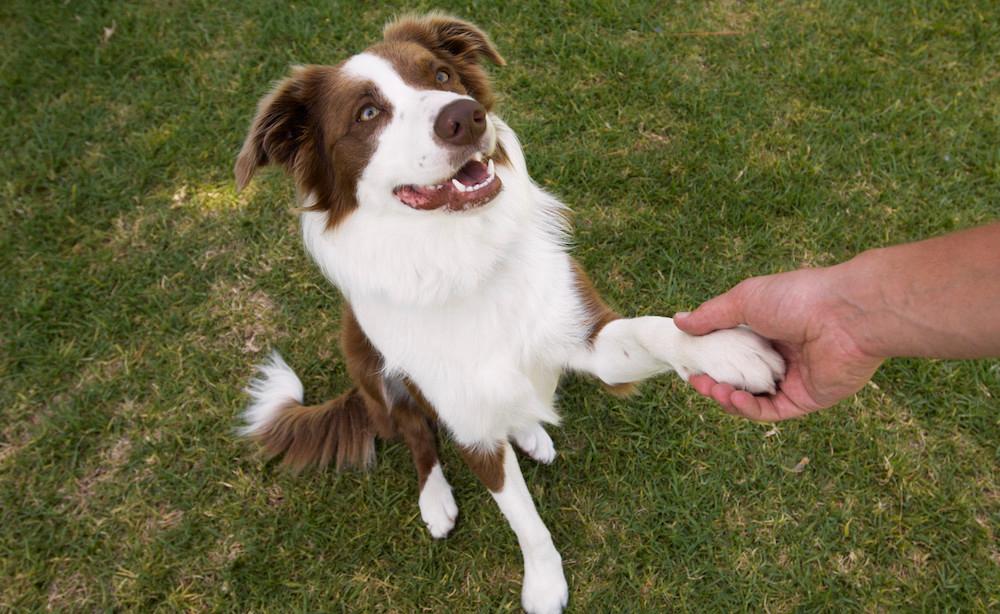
279,131
450,36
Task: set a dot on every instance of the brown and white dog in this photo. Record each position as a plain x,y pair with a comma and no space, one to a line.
462,305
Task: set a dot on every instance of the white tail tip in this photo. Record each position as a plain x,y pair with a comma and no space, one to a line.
274,387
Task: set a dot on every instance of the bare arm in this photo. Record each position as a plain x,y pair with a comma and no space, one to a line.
835,325
936,298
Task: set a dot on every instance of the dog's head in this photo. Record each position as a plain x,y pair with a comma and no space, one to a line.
406,123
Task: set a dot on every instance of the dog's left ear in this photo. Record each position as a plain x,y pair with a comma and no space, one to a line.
444,34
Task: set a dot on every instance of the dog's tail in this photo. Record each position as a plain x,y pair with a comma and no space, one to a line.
337,431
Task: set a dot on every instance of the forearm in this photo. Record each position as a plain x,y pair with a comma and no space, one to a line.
934,298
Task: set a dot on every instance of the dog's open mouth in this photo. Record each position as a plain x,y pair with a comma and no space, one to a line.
474,185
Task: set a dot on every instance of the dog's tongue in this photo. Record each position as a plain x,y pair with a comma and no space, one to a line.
472,173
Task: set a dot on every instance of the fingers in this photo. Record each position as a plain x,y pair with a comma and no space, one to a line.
708,387
771,408
761,409
723,311
702,383
774,408
722,393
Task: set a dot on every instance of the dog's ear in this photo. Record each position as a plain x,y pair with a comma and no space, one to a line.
279,131
444,34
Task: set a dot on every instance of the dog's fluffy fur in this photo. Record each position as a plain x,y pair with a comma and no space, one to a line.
462,305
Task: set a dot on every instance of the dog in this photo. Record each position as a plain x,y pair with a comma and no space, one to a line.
462,304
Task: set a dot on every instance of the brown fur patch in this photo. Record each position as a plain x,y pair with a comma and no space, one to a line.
419,435
418,67
417,422
406,417
598,312
408,414
621,390
308,123
364,365
418,46
422,401
598,315
459,44
488,466
308,126
344,429
336,431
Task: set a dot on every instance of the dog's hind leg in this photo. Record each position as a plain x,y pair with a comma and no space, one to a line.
533,439
536,443
402,410
414,419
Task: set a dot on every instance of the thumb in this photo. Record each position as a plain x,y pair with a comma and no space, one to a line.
723,311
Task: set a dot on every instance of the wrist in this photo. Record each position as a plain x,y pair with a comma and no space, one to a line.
859,302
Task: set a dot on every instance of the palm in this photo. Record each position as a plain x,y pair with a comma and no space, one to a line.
823,362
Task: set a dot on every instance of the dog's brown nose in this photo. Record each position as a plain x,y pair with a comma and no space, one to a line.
461,122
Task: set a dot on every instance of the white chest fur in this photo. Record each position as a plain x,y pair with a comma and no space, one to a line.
480,309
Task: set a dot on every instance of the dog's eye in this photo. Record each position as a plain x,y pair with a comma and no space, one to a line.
442,76
368,112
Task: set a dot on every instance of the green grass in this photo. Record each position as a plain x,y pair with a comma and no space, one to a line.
138,290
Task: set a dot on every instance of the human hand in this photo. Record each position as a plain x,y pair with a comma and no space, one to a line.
804,313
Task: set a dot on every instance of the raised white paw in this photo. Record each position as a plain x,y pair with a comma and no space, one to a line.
545,590
437,505
736,356
536,443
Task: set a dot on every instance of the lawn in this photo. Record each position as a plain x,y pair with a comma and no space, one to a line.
697,142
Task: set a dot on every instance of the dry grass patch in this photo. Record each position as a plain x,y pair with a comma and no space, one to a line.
246,315
70,593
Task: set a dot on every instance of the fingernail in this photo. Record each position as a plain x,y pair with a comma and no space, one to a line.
682,314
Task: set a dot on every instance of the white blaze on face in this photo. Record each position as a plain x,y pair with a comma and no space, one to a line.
406,150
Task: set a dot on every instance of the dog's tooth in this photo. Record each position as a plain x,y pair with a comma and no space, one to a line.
458,185
490,168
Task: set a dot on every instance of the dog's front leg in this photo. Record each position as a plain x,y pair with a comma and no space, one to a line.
632,349
536,443
544,589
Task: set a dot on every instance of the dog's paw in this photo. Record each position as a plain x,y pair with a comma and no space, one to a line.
736,356
437,505
536,443
545,590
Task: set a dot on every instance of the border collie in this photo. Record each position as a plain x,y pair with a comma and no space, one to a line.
462,305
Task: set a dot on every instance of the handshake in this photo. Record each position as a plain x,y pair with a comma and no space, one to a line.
834,326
